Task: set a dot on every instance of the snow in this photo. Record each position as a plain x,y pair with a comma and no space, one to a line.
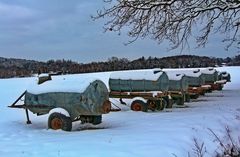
61,85
122,134
224,73
174,75
221,81
60,110
188,72
235,75
208,70
43,75
151,74
206,86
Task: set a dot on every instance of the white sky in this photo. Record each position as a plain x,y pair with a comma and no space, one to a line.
60,29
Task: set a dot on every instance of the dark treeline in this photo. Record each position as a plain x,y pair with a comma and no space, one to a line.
22,68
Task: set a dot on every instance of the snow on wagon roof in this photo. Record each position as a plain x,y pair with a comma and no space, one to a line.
208,70
187,72
150,74
174,75
61,85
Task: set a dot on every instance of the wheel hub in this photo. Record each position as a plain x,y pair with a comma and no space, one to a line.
56,123
137,107
152,105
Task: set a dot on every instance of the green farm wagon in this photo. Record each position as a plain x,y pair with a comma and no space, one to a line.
178,86
211,77
66,101
223,75
147,89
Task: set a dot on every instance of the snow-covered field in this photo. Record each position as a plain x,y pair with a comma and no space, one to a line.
122,134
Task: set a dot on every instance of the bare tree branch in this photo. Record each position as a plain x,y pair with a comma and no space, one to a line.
174,20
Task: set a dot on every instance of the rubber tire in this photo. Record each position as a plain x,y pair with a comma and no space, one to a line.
161,107
153,108
187,98
180,101
220,88
144,107
169,102
66,121
202,93
209,90
96,120
194,96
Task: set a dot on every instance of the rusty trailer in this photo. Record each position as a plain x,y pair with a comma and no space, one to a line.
67,101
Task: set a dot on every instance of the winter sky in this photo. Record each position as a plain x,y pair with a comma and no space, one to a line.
63,29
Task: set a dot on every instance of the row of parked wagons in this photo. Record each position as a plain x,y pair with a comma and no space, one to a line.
69,100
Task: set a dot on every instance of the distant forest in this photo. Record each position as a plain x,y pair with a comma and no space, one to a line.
10,67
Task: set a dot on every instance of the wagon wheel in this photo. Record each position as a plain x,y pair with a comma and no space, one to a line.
59,121
152,105
180,101
139,105
168,102
96,120
220,87
161,104
187,98
56,123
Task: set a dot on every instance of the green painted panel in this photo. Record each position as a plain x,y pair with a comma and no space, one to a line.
178,85
89,102
195,81
211,77
224,76
161,84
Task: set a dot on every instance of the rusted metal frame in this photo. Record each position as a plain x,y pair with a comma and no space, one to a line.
205,88
26,107
133,96
118,93
130,97
154,101
18,106
160,94
141,94
210,83
151,105
176,94
122,102
21,106
28,120
146,95
30,106
214,86
120,96
40,106
217,86
196,90
191,94
115,110
14,104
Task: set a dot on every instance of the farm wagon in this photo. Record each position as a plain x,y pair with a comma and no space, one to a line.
67,101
